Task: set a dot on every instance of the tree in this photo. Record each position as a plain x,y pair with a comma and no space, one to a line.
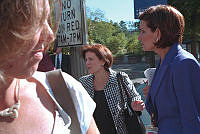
117,29
99,32
117,44
96,15
114,35
98,29
123,27
134,46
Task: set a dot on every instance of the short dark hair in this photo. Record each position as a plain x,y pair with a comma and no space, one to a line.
101,51
168,20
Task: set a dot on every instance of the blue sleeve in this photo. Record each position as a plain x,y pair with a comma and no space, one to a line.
186,79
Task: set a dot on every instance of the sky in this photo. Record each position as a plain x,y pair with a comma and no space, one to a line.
115,10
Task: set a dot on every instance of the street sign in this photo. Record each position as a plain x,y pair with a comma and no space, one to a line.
72,29
141,5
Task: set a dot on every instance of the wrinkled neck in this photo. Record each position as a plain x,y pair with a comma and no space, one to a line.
162,52
102,73
7,86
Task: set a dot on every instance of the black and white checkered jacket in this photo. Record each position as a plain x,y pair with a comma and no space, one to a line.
112,94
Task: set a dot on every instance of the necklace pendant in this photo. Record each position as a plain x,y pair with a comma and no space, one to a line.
11,112
15,109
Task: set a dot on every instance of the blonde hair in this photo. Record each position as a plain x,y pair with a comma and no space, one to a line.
19,21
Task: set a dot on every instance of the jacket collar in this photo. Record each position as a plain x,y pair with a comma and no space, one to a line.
170,54
162,69
90,79
112,75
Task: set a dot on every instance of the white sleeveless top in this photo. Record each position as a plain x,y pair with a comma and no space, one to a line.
84,105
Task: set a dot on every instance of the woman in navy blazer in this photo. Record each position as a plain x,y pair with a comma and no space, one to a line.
174,94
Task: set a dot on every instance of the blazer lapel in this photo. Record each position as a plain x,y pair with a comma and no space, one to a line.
90,85
159,75
161,70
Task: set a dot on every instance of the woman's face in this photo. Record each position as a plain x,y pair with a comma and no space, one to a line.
147,37
26,62
93,63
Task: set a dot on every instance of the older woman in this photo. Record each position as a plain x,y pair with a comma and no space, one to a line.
26,105
173,98
102,86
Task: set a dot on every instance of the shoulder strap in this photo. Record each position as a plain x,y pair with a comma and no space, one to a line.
120,81
120,85
64,98
123,86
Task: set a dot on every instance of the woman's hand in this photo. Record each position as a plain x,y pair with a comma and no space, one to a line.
138,105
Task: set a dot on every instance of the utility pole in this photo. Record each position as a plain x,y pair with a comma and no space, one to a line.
73,33
78,67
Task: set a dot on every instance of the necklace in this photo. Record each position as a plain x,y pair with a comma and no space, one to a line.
12,112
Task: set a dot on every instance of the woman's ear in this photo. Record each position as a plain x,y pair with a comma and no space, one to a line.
157,34
103,62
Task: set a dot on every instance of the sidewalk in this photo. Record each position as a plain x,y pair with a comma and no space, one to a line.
134,71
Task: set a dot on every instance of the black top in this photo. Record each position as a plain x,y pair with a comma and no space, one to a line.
102,114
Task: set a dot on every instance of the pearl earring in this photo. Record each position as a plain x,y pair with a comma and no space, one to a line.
157,40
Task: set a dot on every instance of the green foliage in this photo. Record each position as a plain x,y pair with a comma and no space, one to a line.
117,44
66,50
100,31
115,36
117,29
134,46
123,27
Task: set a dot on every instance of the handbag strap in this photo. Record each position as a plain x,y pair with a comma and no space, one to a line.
119,80
64,98
121,87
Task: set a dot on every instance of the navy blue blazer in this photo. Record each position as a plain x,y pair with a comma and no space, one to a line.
174,95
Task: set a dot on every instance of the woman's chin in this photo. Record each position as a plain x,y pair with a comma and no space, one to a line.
145,49
30,71
90,72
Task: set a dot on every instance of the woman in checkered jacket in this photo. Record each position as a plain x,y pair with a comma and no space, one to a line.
102,86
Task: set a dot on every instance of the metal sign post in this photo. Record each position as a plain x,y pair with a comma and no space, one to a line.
72,29
72,33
